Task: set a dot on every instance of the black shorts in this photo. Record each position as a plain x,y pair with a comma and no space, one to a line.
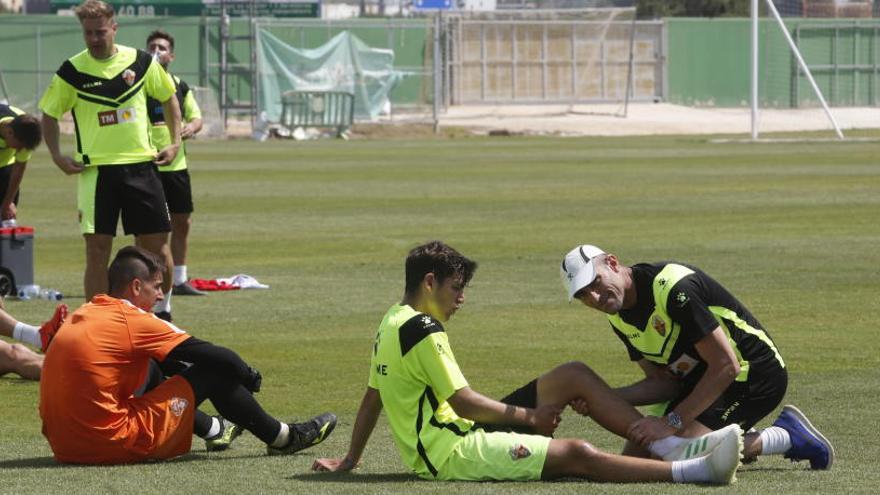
743,403
5,174
525,396
133,190
178,192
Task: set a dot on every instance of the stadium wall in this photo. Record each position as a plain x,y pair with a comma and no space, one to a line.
707,59
709,62
34,46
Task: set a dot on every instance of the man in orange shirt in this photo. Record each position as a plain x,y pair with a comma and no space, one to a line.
94,372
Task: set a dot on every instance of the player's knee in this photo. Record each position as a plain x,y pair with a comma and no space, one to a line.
571,457
584,450
97,249
180,223
574,370
7,354
13,355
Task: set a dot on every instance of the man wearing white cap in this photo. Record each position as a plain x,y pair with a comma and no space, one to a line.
445,430
700,349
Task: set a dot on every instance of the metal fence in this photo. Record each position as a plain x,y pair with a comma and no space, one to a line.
549,60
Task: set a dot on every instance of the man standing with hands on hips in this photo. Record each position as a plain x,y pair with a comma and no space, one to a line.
105,88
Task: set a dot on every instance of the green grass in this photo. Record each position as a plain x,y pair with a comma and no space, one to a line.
792,229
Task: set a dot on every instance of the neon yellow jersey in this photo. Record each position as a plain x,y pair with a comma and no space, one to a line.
8,155
107,99
415,372
189,110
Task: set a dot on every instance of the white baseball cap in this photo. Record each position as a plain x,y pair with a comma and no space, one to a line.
578,270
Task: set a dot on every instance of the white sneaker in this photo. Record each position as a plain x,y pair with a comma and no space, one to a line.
724,459
700,446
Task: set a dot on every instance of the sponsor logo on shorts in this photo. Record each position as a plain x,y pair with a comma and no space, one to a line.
519,451
128,76
113,117
178,406
733,407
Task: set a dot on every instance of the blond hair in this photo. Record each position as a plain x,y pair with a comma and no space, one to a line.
94,9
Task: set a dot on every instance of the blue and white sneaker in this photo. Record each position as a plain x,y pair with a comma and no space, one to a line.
806,441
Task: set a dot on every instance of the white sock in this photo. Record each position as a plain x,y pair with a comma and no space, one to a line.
163,305
215,428
691,471
665,445
180,274
774,440
283,437
28,334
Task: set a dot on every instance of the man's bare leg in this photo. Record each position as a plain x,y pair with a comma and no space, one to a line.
158,245
575,380
180,225
98,248
18,359
569,457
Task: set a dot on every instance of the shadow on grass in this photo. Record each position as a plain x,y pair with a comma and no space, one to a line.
33,462
356,478
767,469
49,462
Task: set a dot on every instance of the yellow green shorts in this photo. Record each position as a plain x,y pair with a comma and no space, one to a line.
497,455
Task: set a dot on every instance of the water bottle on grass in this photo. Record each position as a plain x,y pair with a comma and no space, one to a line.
27,292
51,295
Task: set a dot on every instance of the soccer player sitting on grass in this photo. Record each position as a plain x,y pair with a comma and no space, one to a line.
700,349
445,430
90,403
18,359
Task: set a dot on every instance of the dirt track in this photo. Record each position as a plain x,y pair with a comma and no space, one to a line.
604,120
647,119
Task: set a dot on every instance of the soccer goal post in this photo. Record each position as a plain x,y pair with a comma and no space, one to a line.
802,66
591,55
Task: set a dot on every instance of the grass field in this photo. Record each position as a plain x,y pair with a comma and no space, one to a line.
792,229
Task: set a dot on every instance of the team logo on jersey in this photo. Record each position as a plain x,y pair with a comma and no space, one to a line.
519,451
178,406
658,324
128,76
